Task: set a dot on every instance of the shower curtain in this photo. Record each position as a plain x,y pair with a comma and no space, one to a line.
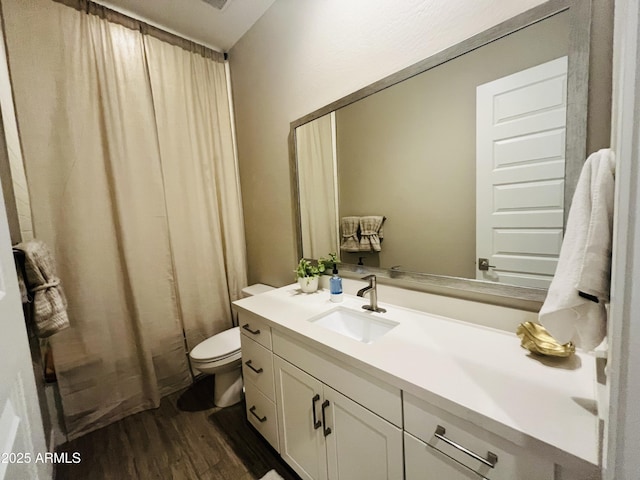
133,182
201,184
318,192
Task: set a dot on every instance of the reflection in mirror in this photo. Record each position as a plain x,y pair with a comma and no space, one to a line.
465,161
315,146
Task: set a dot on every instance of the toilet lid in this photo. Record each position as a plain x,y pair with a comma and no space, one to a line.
220,345
256,289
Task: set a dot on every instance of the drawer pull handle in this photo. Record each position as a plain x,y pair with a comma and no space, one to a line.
253,412
327,430
490,461
257,370
254,332
316,423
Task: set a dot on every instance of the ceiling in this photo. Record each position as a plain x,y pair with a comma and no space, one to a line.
195,19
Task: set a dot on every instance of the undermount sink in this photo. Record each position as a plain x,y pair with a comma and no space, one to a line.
359,326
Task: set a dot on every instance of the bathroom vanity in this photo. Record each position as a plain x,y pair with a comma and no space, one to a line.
344,393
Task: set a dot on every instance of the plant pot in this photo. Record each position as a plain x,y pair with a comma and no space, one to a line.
308,284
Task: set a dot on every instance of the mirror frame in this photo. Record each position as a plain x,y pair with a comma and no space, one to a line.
576,134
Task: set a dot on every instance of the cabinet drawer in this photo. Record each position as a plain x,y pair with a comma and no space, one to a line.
366,390
421,462
261,413
255,328
458,446
257,366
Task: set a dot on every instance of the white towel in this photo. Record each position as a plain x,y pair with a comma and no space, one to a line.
584,266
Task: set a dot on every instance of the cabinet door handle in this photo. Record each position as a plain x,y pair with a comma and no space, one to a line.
327,430
490,461
257,370
254,332
253,412
316,422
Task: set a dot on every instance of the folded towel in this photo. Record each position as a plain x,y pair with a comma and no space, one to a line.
349,226
370,228
49,302
574,309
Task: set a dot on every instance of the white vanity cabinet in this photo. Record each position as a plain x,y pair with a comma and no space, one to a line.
257,372
336,408
326,435
438,445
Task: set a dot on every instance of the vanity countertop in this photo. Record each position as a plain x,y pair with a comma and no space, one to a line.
477,373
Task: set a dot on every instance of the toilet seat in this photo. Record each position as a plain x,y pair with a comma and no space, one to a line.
222,346
221,357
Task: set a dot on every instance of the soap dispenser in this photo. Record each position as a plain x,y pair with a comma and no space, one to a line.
335,286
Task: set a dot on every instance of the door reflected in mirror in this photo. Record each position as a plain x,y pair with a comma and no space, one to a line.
464,160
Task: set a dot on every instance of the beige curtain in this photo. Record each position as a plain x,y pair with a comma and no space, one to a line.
317,186
201,184
108,196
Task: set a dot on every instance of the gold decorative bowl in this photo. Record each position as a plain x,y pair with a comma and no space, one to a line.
535,338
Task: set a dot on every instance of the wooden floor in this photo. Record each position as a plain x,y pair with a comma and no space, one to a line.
187,437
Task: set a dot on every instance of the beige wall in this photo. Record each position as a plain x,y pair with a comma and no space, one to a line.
303,54
409,153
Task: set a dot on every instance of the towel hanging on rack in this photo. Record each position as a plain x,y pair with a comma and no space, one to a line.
49,302
349,226
370,233
574,308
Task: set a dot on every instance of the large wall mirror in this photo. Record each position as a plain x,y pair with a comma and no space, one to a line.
459,170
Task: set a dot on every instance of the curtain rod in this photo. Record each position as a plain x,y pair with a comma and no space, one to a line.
113,16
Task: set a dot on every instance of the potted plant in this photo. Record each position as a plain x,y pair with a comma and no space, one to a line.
308,273
330,261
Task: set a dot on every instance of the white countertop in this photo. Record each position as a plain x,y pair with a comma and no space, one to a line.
477,373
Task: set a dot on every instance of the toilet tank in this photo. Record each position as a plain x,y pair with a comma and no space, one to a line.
256,289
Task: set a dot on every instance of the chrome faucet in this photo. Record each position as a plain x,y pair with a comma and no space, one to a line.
373,295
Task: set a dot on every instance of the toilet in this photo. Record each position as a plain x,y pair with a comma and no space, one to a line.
220,355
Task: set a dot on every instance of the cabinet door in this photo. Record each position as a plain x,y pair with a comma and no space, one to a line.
298,399
360,445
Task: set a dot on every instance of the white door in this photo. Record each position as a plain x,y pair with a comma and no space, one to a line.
299,400
361,445
21,432
520,154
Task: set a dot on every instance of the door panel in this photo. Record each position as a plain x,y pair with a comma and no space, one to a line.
521,129
21,432
530,99
527,240
541,146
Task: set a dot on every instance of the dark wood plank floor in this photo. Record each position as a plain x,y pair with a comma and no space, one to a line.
187,437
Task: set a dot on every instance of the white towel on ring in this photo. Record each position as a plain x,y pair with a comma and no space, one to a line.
574,308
